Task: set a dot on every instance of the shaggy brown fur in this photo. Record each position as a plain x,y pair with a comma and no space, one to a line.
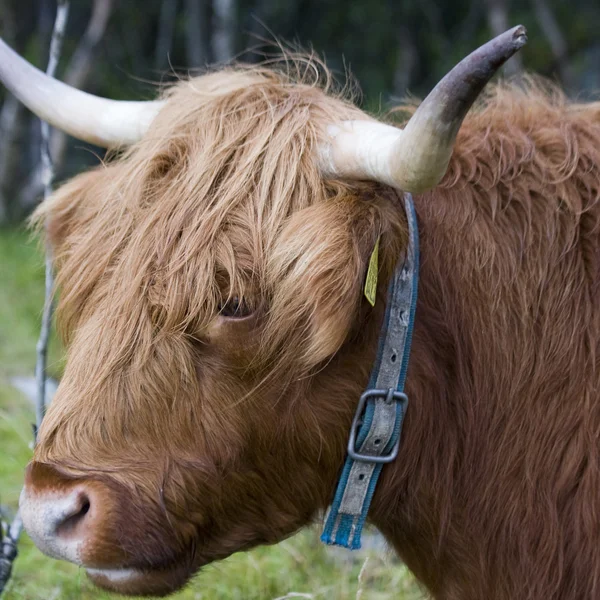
206,434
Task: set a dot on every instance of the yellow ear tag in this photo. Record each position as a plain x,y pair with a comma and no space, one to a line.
372,272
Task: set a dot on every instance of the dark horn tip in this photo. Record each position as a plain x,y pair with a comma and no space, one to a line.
519,34
457,91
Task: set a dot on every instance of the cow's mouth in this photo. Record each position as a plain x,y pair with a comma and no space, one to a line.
140,582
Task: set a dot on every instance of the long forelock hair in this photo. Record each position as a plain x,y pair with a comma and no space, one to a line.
223,197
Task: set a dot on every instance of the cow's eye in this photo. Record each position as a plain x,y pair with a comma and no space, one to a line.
235,308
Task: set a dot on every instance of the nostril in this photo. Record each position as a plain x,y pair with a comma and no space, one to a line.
62,514
74,515
85,507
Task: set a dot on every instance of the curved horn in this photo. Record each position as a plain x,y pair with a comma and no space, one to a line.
416,158
103,122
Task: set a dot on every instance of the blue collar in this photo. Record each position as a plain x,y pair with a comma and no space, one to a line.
375,433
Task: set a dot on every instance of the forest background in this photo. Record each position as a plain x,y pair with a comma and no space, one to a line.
393,48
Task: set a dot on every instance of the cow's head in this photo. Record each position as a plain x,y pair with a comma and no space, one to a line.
210,300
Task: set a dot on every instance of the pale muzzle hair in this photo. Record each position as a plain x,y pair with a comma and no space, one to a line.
413,159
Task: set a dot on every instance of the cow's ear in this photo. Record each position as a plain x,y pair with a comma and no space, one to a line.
70,209
316,276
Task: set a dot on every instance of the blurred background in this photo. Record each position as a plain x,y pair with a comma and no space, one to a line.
392,47
121,49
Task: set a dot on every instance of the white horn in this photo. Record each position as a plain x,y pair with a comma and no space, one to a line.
416,158
107,123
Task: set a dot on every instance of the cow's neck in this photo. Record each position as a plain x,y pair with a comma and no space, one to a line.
417,505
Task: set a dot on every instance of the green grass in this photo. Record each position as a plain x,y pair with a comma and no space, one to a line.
300,567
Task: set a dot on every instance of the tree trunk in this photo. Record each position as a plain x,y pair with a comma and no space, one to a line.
10,122
10,119
80,67
223,30
468,28
498,21
406,62
166,27
30,191
197,30
259,18
76,75
557,41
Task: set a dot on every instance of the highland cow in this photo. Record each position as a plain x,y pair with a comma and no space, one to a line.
211,302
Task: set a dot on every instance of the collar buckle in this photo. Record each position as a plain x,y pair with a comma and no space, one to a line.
388,396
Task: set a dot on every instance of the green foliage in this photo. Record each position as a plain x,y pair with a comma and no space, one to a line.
21,300
297,566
